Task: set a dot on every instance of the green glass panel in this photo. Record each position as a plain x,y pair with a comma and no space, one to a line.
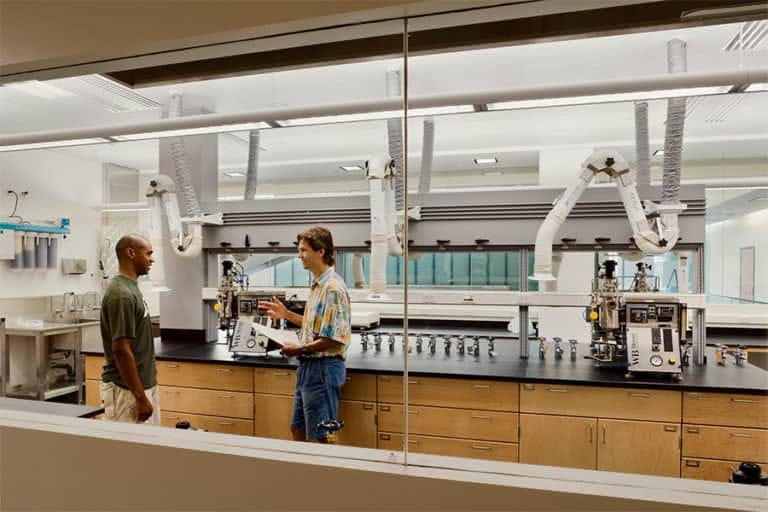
478,262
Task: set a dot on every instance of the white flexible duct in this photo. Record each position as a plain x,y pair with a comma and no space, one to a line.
179,156
427,156
542,267
253,165
383,216
642,149
358,275
673,140
395,139
157,272
162,189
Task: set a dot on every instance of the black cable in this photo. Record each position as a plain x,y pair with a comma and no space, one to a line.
15,207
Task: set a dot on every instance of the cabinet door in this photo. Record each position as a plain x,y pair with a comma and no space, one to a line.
272,416
563,441
93,367
92,394
639,447
359,424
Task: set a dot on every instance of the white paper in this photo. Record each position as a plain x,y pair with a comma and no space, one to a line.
279,336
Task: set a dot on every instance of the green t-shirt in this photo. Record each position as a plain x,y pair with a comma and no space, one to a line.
125,314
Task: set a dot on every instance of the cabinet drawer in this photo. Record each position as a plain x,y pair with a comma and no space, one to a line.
359,424
440,421
205,375
92,393
93,366
703,469
231,404
463,393
725,443
505,452
360,387
275,381
209,423
725,409
620,403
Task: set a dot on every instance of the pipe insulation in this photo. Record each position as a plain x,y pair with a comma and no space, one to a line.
427,156
253,165
673,139
642,145
179,156
395,139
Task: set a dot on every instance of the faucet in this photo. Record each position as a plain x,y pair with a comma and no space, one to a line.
687,354
740,354
447,345
475,348
96,302
491,350
722,353
542,348
364,341
573,343
377,341
432,344
391,341
558,348
419,342
460,345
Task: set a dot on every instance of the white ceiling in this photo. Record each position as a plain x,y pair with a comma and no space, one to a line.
515,137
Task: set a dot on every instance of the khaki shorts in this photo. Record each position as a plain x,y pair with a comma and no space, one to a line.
120,405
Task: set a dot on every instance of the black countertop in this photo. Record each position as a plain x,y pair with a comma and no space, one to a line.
506,365
55,408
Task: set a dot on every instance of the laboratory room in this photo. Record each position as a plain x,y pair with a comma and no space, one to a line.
458,255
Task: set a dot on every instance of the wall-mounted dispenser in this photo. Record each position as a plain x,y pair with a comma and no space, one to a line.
32,246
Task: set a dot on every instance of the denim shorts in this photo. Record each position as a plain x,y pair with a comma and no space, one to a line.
318,382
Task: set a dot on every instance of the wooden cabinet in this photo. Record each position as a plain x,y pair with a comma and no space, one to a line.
639,447
442,392
360,387
476,449
92,394
725,443
272,416
93,366
209,423
727,409
208,402
558,441
359,424
274,381
704,469
205,375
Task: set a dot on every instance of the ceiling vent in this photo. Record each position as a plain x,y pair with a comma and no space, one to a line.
720,113
114,96
750,36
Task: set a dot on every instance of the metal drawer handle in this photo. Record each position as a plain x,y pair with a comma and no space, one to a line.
740,435
743,401
480,417
481,386
590,434
224,370
227,423
692,430
169,391
529,387
385,408
478,447
640,395
226,396
694,396
413,382
413,441
280,374
692,463
367,407
173,417
413,411
670,428
557,390
385,437
349,379
603,434
172,366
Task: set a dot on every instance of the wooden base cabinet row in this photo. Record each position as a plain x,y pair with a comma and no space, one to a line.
609,445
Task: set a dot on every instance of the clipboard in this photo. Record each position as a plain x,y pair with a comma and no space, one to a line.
278,337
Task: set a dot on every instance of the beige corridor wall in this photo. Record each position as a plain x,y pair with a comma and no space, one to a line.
40,34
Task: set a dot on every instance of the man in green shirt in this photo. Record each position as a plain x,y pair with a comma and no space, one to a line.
129,377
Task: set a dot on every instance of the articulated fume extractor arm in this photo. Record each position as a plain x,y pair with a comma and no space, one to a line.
384,239
186,233
654,227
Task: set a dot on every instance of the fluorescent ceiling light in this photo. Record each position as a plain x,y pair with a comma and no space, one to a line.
658,152
482,161
757,87
351,168
235,174
53,144
610,98
493,173
192,131
40,89
123,207
373,116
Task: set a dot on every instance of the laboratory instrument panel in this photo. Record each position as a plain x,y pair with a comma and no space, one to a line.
245,340
429,344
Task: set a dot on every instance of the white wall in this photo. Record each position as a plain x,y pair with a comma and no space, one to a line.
724,242
60,184
575,276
